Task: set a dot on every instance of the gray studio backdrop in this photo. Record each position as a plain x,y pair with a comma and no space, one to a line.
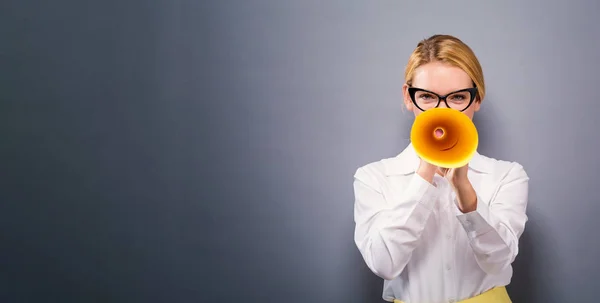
191,151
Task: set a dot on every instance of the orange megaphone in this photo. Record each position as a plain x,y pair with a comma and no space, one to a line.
456,145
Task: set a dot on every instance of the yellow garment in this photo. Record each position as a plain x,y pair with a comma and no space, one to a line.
494,295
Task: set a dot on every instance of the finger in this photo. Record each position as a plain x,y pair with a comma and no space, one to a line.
443,171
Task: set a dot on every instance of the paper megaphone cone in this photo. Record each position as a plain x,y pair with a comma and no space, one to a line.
444,137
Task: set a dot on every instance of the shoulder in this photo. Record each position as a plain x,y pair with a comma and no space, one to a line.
373,172
402,164
501,170
377,173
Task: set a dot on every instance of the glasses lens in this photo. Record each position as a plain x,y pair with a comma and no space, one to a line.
459,101
426,100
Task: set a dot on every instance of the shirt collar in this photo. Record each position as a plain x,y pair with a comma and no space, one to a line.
407,162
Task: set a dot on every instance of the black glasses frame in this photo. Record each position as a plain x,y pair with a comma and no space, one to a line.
413,90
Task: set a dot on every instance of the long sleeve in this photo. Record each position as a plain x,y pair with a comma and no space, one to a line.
387,230
494,230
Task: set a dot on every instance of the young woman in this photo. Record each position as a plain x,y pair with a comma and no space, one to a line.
435,234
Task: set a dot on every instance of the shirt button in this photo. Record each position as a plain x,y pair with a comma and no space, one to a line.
448,236
451,301
448,267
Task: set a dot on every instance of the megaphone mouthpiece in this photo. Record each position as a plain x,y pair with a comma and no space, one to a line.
439,132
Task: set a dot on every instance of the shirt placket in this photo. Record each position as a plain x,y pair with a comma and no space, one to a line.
448,238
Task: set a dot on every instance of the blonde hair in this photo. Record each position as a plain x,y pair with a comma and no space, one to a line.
447,49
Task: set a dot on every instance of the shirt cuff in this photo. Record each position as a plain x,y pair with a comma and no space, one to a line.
476,222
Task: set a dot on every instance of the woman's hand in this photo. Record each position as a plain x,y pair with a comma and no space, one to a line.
457,177
426,170
465,193
458,180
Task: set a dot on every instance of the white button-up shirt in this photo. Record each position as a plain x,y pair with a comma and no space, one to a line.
412,234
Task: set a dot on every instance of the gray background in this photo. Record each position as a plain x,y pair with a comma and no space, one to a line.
187,151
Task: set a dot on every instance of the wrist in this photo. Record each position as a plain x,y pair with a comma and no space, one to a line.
466,196
426,171
461,183
467,208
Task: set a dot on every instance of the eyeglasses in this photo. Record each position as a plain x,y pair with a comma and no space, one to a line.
459,100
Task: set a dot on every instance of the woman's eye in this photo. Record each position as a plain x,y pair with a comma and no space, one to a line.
458,98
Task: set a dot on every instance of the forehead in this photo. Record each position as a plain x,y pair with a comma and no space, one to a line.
441,78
